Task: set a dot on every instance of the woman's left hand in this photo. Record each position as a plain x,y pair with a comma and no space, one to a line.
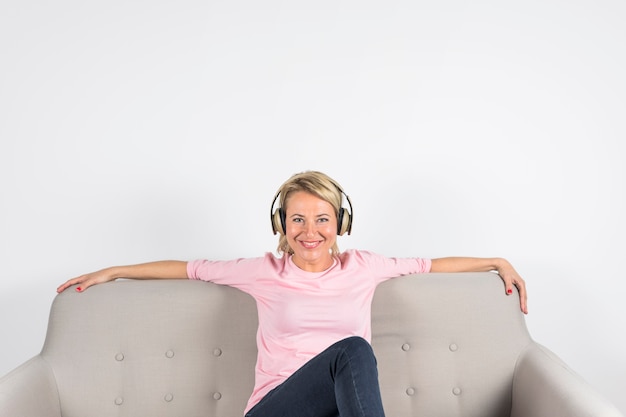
512,279
504,268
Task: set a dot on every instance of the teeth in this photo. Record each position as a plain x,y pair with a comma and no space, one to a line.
310,244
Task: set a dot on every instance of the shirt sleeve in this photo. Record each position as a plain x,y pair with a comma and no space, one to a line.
384,268
240,273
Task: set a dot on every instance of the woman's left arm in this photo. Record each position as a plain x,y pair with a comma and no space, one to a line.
506,271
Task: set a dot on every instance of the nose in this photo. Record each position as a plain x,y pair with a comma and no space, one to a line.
309,228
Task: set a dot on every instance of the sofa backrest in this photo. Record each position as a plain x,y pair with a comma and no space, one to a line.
446,346
153,348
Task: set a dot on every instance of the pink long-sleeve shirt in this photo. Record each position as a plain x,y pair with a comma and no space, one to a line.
302,313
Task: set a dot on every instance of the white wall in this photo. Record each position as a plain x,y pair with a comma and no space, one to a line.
142,130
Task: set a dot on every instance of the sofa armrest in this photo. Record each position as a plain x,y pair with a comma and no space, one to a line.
29,391
543,385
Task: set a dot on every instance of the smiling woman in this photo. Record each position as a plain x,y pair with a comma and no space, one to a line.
311,231
319,185
313,302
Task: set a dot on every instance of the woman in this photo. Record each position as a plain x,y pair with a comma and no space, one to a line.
314,353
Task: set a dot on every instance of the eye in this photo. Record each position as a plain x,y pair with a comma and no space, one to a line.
323,219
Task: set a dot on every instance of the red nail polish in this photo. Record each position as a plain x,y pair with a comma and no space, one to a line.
509,291
79,289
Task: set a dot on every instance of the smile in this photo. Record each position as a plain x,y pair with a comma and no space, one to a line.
311,245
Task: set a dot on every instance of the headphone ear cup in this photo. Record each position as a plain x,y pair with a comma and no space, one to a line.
343,222
278,221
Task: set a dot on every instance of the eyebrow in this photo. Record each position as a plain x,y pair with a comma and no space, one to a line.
302,215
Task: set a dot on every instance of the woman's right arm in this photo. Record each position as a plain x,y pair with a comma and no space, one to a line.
150,270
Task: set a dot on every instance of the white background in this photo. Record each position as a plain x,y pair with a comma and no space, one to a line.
145,130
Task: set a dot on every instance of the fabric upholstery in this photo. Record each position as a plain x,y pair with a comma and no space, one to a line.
447,345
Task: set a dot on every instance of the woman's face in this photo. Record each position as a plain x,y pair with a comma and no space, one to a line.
311,230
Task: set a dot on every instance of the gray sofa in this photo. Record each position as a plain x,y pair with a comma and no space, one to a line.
447,345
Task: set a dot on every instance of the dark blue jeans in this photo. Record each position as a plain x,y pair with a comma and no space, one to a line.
340,381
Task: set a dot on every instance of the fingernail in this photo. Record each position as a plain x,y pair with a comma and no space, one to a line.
79,289
509,291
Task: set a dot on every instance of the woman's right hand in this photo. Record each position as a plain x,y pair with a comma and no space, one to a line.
87,280
149,270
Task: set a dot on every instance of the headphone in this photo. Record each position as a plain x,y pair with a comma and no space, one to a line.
278,217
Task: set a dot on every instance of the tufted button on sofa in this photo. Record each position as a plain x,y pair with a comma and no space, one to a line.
447,345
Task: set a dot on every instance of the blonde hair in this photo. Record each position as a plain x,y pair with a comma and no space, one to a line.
317,184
